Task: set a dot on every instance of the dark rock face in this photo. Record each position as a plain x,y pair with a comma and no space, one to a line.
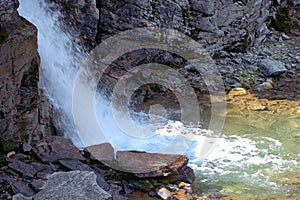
80,18
288,17
226,24
19,68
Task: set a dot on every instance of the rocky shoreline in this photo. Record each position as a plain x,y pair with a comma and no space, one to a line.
55,165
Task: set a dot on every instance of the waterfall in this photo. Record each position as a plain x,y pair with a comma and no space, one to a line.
61,59
243,159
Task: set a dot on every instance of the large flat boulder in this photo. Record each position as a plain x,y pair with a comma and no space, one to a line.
143,164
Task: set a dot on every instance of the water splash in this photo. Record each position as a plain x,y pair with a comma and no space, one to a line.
60,59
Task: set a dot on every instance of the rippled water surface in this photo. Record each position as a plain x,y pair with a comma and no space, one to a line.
258,156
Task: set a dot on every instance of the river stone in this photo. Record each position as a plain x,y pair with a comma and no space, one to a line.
165,194
143,164
79,185
271,67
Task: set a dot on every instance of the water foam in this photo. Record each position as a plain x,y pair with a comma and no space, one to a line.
60,59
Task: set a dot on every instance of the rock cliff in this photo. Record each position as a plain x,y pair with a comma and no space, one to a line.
21,116
225,24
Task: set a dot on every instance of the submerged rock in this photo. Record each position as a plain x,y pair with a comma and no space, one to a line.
80,185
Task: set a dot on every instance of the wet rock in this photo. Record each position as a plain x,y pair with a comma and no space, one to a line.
165,194
141,185
271,67
79,185
80,18
55,148
143,164
101,152
184,174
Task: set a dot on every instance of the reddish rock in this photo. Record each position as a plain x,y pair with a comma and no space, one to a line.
143,165
101,152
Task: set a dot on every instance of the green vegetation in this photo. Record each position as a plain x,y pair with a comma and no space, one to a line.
3,34
281,23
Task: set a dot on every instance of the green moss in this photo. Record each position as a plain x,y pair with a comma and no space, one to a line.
3,34
282,21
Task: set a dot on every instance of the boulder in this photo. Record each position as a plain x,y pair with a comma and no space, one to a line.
271,67
80,185
146,165
142,164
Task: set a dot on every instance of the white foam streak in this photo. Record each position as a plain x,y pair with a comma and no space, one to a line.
60,60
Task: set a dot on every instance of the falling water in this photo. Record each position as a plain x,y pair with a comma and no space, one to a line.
60,60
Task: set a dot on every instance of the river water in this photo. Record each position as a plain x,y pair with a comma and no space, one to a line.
258,154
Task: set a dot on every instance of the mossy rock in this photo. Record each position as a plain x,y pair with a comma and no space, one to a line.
3,34
282,20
